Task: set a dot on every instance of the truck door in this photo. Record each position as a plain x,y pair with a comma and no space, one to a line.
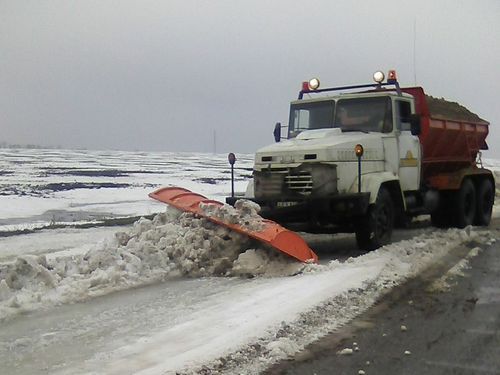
408,147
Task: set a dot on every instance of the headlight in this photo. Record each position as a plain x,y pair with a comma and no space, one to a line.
378,77
313,84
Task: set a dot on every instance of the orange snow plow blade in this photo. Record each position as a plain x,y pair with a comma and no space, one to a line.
272,234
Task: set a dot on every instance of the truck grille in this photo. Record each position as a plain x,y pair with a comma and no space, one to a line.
270,184
301,182
287,184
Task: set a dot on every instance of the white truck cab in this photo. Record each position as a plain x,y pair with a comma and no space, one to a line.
324,132
353,162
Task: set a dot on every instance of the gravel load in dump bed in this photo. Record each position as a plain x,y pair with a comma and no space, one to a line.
442,108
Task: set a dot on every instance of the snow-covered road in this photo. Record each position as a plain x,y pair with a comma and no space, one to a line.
186,323
73,337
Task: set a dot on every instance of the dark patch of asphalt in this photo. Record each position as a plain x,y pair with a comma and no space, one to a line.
456,331
47,189
74,171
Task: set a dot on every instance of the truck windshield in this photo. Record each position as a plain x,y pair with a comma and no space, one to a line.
364,114
307,116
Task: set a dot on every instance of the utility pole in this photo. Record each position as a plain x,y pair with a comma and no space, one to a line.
215,141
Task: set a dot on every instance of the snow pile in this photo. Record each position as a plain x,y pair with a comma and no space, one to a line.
170,245
257,262
244,213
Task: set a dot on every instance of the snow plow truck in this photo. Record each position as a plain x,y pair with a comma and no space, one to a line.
363,158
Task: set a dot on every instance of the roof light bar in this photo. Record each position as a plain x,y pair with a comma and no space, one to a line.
312,86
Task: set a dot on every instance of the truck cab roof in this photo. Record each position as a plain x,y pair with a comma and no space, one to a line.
352,95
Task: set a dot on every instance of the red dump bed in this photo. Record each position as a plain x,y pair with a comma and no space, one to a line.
451,137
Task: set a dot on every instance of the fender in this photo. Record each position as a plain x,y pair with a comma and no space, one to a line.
453,180
371,182
250,192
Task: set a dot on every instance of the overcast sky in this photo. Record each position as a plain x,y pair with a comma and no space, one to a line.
164,75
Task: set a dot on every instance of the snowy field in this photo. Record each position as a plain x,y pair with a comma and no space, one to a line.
168,293
40,188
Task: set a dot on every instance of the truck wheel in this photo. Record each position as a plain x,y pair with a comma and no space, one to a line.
465,204
375,228
484,202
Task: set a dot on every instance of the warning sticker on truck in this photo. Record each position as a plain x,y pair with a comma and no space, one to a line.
408,161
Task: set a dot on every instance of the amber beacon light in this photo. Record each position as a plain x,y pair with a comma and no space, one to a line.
358,149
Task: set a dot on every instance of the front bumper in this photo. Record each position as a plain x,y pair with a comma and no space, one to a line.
338,210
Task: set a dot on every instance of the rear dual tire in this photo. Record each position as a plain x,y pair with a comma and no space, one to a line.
465,204
485,197
470,205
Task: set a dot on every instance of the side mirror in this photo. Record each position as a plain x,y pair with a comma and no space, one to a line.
277,132
415,124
